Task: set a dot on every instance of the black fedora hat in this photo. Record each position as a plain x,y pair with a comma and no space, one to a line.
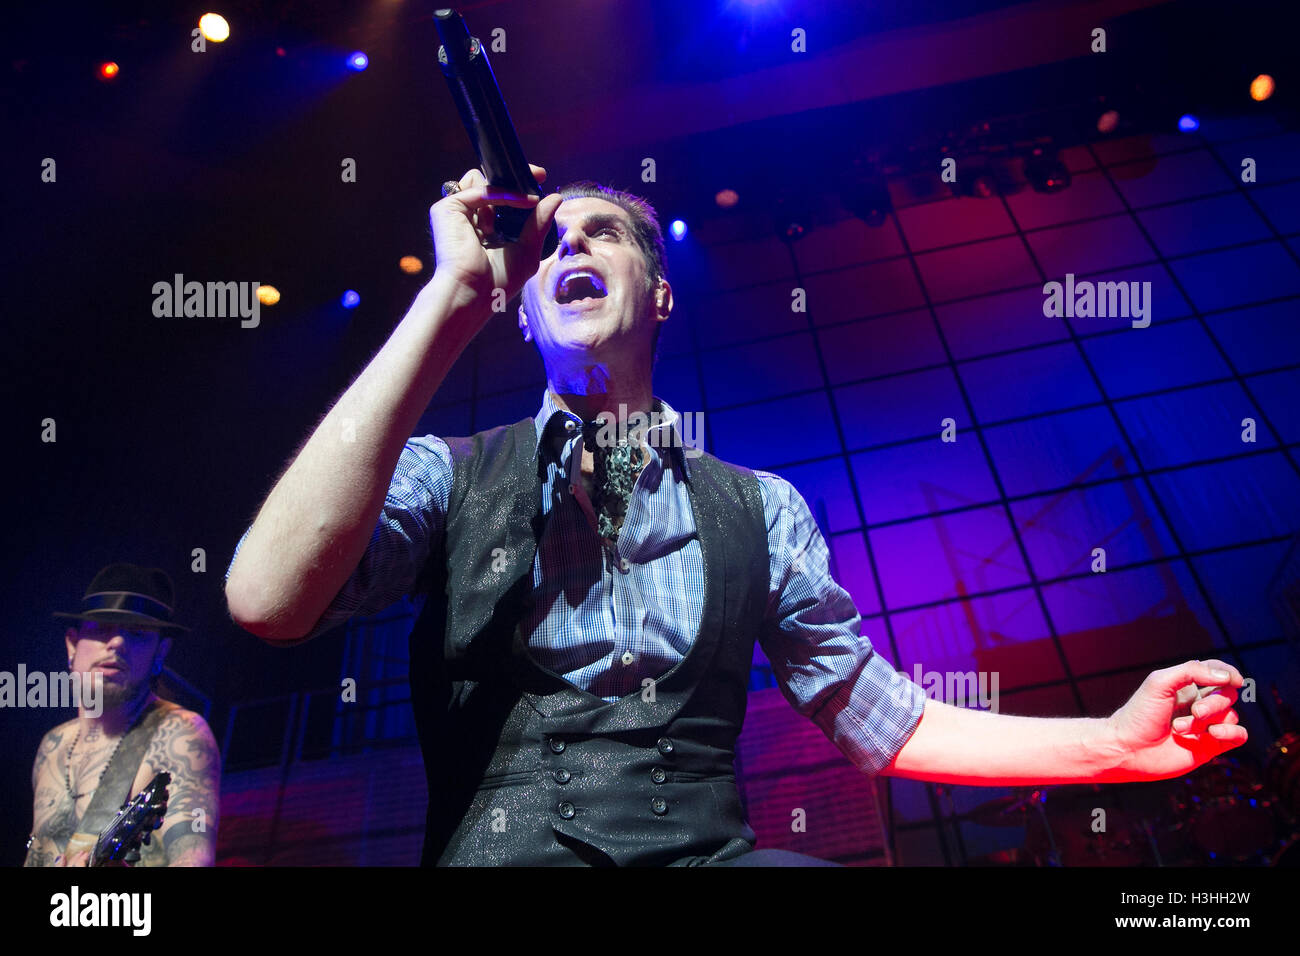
129,595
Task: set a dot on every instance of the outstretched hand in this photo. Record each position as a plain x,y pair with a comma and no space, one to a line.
1178,719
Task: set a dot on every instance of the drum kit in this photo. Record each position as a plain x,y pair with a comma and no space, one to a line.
1230,812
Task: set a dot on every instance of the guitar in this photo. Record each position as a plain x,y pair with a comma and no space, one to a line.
120,841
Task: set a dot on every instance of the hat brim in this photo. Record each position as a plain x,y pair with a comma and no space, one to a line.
109,616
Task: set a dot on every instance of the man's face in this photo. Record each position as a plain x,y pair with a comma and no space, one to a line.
591,294
124,655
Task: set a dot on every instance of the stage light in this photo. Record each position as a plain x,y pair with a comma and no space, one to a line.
793,213
1108,122
868,199
677,229
983,185
268,294
790,230
358,61
108,70
1188,123
351,299
410,264
726,198
214,27
1047,174
1261,87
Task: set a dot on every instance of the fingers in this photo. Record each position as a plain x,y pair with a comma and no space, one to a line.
1235,678
476,203
480,196
1229,730
1212,710
1205,673
1214,701
474,177
540,221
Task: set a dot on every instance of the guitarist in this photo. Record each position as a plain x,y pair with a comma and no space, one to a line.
87,767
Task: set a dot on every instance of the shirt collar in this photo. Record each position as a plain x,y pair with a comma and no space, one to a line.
552,434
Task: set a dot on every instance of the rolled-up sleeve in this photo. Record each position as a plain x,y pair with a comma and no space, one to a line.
825,666
410,525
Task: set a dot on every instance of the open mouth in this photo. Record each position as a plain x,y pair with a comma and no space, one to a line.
578,286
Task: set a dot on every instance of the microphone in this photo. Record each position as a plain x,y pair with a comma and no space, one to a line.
464,63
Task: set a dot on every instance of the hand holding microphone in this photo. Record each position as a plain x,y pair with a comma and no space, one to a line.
467,241
480,246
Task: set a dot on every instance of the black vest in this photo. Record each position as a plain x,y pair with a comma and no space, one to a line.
524,767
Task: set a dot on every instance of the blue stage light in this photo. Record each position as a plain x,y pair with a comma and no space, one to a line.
351,299
358,61
677,229
1188,123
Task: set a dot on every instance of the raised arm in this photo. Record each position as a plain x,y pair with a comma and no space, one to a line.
314,526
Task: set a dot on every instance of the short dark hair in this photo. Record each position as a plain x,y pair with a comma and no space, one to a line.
646,233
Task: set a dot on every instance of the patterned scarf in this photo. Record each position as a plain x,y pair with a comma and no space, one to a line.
613,478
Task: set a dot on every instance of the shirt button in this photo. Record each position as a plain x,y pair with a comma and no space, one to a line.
563,776
557,745
658,774
566,810
628,657
659,806
665,746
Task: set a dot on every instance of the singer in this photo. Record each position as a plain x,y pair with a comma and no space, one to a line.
579,670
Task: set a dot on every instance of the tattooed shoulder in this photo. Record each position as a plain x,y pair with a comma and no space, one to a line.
183,746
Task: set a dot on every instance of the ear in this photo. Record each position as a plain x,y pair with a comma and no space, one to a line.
164,647
663,300
523,324
70,639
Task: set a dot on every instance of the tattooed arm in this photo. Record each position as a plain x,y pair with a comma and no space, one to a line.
183,746
51,820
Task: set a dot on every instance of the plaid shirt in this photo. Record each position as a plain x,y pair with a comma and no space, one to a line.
608,615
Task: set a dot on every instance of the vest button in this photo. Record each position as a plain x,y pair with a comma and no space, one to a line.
659,806
563,776
665,746
566,810
557,745
658,775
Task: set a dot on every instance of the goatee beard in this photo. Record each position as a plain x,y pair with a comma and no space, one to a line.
124,697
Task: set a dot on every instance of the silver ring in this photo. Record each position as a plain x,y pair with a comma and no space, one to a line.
449,187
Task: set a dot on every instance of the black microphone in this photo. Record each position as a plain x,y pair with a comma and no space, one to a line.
473,86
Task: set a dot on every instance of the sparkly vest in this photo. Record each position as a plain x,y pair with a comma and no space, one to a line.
525,768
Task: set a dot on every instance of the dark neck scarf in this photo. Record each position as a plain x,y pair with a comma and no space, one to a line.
613,478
